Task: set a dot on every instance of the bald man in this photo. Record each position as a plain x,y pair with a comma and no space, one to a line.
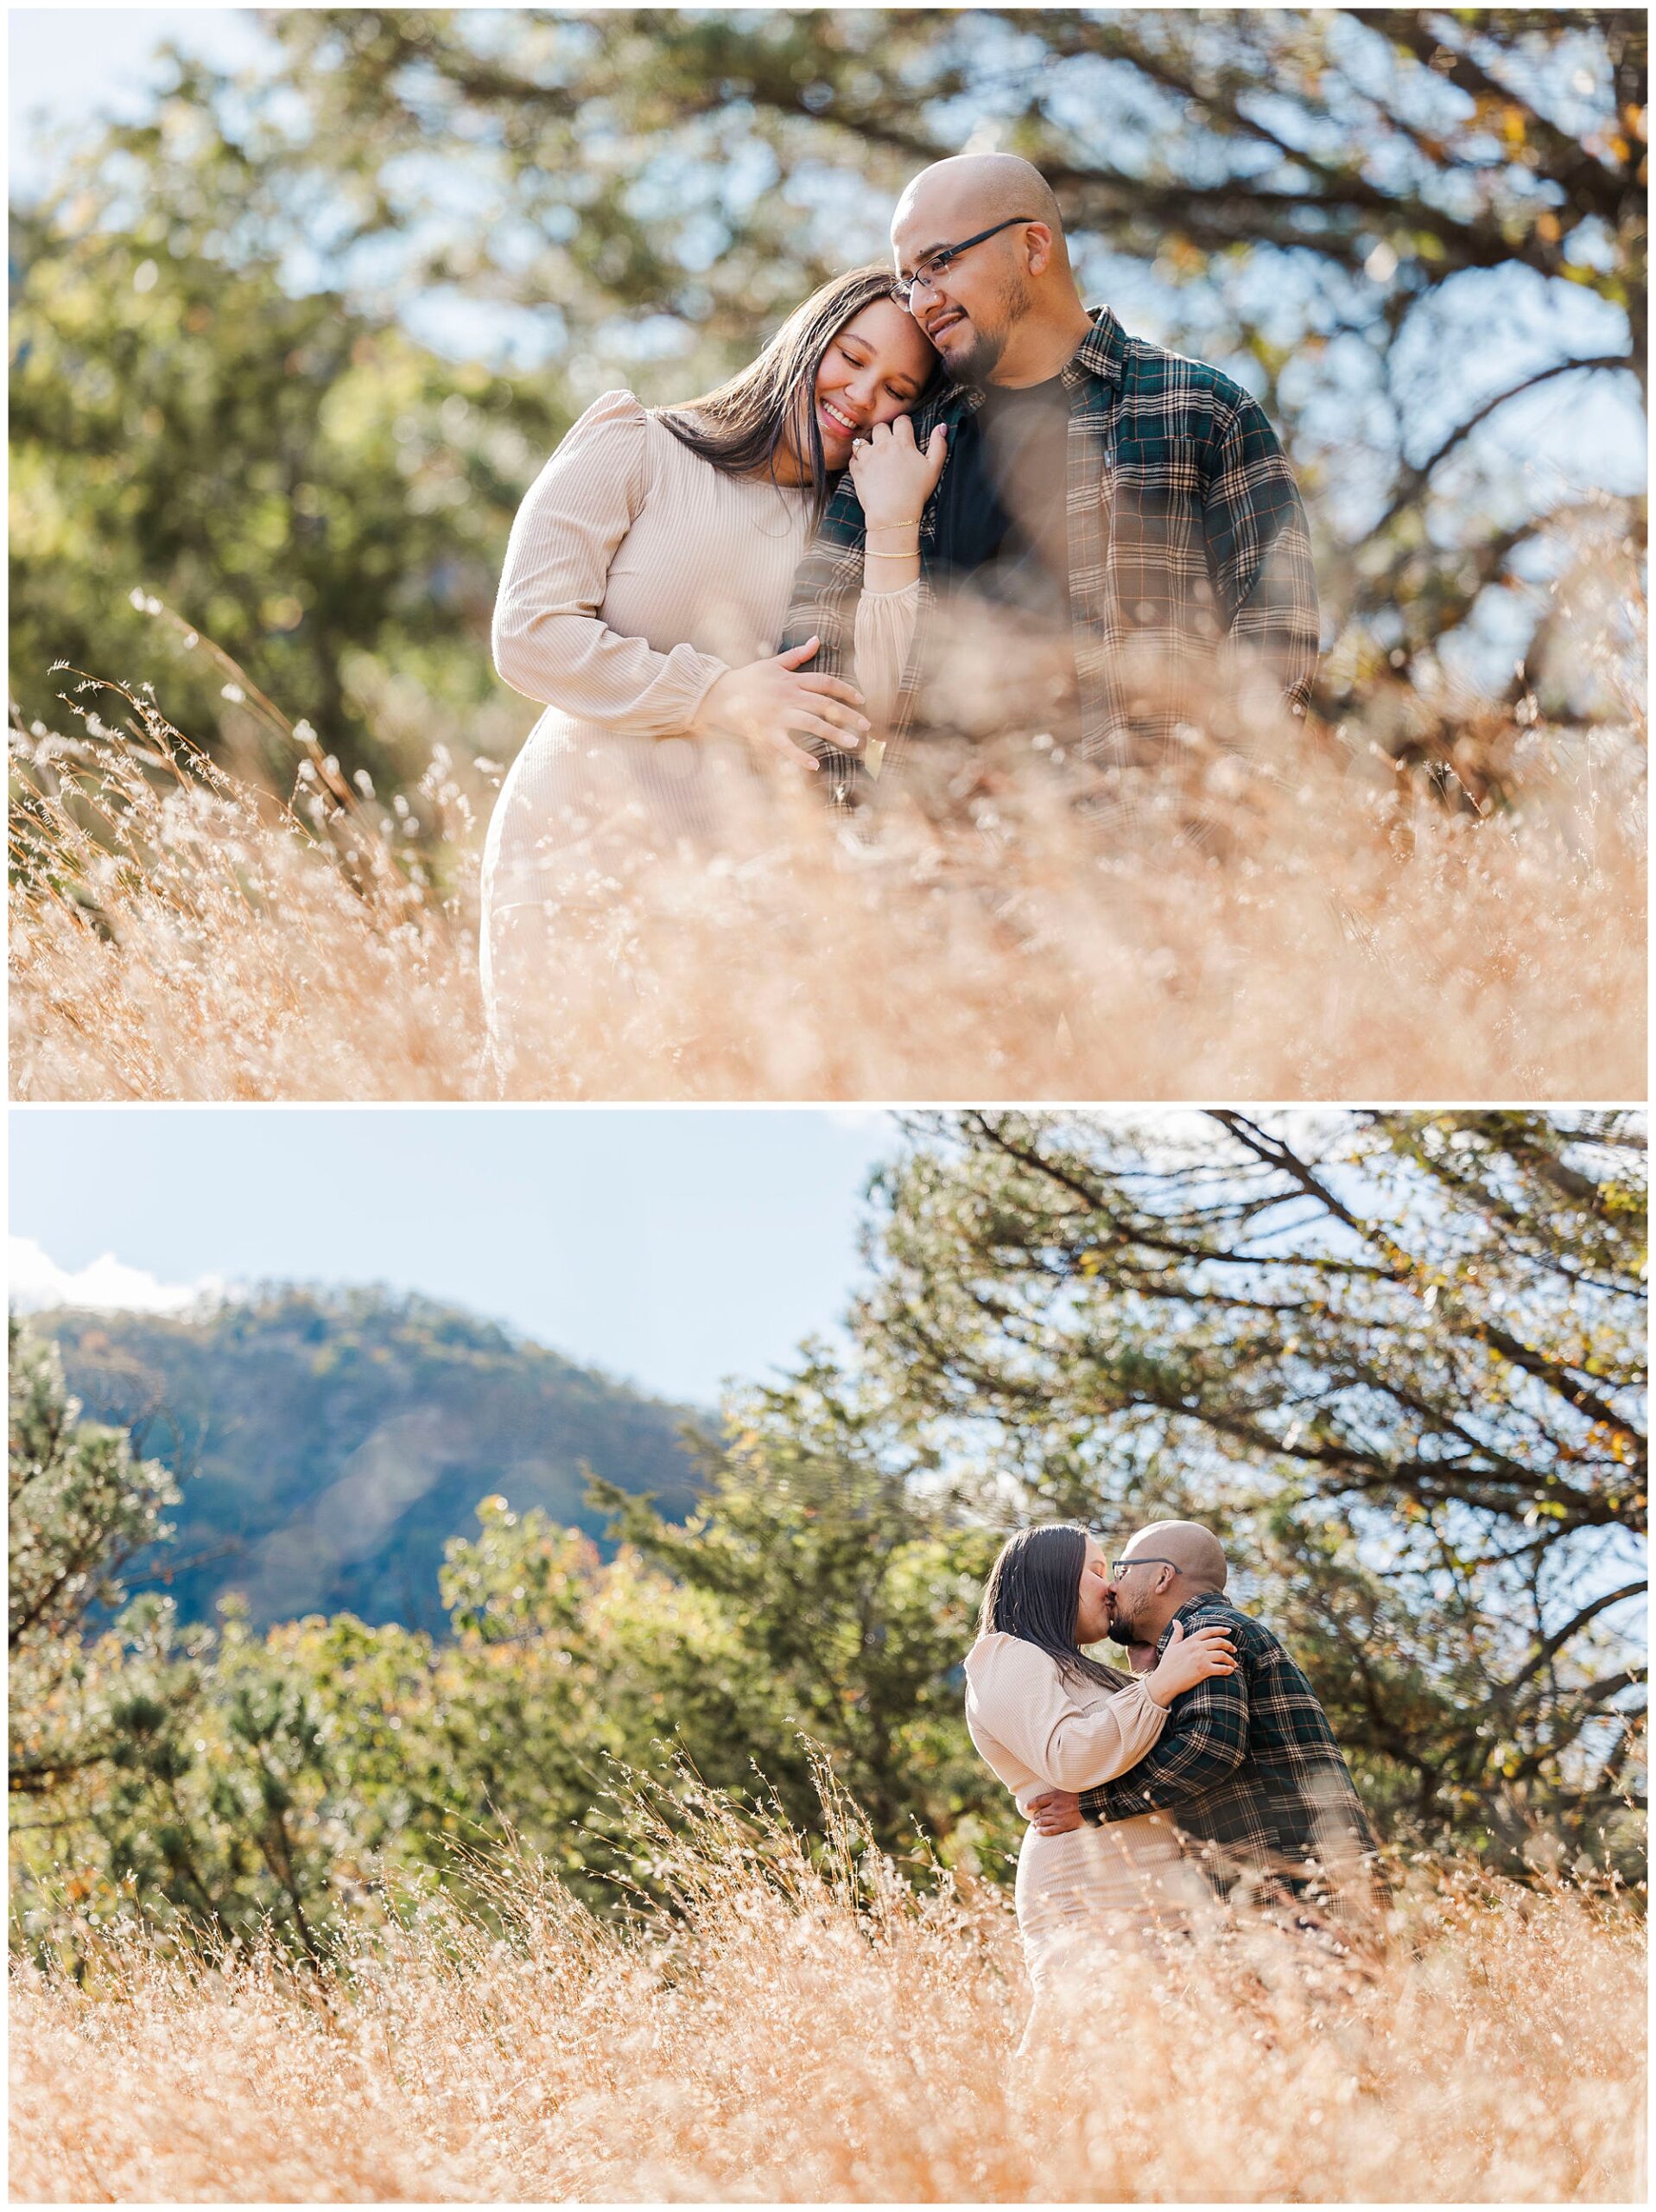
1115,540
1246,1766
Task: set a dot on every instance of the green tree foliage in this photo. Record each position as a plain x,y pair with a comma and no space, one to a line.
289,473
173,1770
81,1506
826,1544
212,1817
1399,1357
290,1780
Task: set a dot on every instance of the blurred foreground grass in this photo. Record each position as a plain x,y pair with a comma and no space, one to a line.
1337,927
791,2029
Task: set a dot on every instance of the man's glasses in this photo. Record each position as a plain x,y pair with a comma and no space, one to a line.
927,274
1119,1566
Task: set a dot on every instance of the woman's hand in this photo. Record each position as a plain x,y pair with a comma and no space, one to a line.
769,699
893,478
1188,1660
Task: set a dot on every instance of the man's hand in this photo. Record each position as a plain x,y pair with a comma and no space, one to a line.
770,702
1056,1813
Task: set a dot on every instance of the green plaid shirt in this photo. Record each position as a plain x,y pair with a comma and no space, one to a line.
1247,1762
1189,559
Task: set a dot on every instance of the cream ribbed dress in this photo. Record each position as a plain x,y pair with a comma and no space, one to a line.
1097,1888
636,575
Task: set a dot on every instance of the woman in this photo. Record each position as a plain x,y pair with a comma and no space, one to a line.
649,572
1044,1715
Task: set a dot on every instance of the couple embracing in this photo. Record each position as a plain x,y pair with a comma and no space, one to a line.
1208,1773
946,493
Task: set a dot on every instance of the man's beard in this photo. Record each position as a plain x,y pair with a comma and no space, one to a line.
1124,1629
982,357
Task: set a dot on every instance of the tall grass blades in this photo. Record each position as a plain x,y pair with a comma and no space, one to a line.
789,2029
1312,920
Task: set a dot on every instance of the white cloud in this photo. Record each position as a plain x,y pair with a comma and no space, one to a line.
35,1280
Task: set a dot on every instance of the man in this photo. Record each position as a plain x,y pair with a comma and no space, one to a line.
1246,1765
1130,511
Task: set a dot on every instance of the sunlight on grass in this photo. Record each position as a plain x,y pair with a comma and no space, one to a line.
775,2029
1281,921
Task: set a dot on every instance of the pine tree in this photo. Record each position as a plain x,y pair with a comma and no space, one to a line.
1397,1357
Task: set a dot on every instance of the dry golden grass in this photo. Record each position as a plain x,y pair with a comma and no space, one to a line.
808,2034
1338,931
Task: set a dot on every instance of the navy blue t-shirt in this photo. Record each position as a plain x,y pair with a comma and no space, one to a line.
1002,536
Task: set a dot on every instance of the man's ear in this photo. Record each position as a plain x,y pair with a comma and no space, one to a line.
1038,244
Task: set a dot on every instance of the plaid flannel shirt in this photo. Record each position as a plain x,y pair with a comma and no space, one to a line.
1189,552
1247,1763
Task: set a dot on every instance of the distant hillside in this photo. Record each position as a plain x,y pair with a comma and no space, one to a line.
331,1442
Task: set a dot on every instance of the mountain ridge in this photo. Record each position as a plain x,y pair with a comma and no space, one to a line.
328,1440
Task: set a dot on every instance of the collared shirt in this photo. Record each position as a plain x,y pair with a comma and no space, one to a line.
1189,558
1247,1762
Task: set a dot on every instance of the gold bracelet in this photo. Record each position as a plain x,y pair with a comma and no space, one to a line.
868,555
912,522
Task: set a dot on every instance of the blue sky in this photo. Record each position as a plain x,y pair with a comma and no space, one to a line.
75,66
673,1247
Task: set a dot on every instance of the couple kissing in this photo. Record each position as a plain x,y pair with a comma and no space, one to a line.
1208,1773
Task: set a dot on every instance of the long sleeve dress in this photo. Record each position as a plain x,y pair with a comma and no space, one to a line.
637,575
1111,1885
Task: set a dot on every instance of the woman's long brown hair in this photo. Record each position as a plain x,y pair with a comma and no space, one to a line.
742,424
1034,1592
